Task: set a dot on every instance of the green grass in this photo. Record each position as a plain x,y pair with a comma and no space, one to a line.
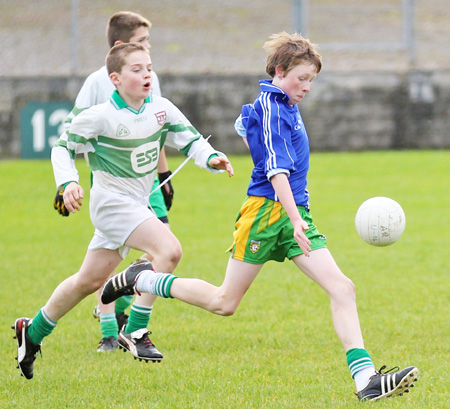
279,350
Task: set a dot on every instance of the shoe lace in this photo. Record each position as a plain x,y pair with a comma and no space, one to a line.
394,369
142,334
146,341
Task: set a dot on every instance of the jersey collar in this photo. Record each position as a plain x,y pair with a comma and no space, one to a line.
267,86
119,103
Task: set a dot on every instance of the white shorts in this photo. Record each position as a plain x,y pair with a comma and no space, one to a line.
115,216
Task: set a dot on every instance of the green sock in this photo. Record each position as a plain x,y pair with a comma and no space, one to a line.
156,283
108,325
358,359
40,327
139,318
163,284
123,303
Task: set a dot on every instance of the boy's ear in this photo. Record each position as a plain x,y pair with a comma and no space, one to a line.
114,78
279,72
118,42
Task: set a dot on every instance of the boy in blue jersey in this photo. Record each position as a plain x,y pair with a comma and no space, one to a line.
123,138
274,222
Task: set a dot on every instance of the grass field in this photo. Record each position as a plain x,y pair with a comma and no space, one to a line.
279,350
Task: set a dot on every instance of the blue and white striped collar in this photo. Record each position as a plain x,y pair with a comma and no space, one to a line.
267,86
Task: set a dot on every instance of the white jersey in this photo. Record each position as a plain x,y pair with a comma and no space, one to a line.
123,144
97,89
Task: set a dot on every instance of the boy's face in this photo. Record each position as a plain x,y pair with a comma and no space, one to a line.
297,82
135,81
141,36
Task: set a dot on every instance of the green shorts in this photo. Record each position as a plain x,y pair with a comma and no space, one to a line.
157,203
264,232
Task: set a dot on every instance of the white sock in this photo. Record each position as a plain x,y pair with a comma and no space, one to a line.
155,283
145,281
362,377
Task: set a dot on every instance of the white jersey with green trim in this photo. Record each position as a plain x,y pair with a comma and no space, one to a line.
97,89
123,144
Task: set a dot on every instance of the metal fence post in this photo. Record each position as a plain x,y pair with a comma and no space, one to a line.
74,30
300,9
409,31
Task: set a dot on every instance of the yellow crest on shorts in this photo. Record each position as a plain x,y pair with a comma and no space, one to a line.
254,246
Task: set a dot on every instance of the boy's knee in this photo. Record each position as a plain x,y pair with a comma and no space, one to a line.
173,255
343,289
348,288
176,254
168,258
226,307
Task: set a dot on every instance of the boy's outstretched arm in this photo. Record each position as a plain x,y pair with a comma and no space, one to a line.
221,163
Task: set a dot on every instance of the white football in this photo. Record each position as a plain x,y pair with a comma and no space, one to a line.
380,221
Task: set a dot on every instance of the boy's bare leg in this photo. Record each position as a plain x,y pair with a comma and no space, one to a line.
153,237
95,269
322,269
370,384
222,300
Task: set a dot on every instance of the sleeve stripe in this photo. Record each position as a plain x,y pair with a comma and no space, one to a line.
267,130
271,122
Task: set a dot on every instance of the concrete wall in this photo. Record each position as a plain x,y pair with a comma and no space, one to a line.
343,112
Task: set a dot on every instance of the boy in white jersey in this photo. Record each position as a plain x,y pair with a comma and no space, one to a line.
123,138
123,27
274,222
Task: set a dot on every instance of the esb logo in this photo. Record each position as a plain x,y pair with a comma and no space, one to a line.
144,159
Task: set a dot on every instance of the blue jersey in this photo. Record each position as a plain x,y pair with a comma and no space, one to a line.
278,143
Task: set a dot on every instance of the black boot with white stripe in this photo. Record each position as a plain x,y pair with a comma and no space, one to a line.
388,384
123,283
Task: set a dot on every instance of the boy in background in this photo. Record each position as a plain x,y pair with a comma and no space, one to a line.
274,221
123,138
124,27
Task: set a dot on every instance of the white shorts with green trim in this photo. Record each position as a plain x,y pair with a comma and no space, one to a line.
115,216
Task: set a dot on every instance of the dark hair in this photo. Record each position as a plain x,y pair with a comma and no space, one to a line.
122,25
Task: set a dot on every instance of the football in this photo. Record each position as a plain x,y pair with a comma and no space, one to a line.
380,221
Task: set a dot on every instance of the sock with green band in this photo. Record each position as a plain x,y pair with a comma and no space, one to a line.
361,366
41,327
162,285
139,318
108,325
123,303
358,359
155,283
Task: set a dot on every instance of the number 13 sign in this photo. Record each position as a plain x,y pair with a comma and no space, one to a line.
41,124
